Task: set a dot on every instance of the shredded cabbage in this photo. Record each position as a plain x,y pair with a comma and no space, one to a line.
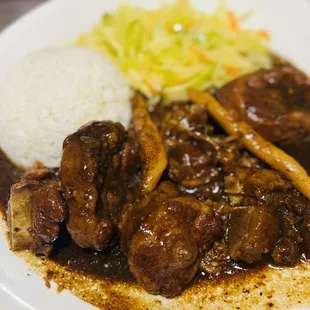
164,52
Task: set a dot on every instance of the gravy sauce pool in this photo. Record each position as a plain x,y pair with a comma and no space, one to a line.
110,265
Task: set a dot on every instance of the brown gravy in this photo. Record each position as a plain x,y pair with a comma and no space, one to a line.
111,265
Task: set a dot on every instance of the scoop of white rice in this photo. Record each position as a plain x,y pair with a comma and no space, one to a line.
50,94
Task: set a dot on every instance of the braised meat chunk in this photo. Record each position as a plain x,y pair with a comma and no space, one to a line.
196,156
275,102
168,238
216,261
286,252
35,210
247,185
191,153
268,187
252,232
131,166
135,213
91,159
268,191
189,164
305,234
104,168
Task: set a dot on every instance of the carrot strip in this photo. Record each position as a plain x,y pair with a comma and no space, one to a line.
233,21
252,141
264,34
200,53
154,88
232,71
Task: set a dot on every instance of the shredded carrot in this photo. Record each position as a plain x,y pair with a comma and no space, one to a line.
200,52
264,34
233,21
154,88
188,25
232,71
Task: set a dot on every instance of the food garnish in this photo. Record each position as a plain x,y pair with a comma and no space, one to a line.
165,51
152,151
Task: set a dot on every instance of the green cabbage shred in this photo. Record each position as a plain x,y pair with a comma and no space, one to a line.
163,52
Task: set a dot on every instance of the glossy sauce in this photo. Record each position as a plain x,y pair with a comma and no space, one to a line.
110,265
80,269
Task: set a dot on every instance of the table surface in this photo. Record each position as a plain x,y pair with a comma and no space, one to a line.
10,10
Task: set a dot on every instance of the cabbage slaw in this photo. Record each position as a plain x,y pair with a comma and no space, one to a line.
166,51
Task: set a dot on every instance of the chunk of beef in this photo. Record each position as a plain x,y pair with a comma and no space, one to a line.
247,185
267,188
131,165
213,190
164,257
90,175
286,252
167,235
287,249
275,102
252,232
35,209
183,120
196,156
217,261
248,161
191,152
229,158
134,214
228,153
305,234
192,164
264,187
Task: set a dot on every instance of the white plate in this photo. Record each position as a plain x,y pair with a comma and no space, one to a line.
60,21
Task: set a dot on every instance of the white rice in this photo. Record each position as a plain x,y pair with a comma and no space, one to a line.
50,94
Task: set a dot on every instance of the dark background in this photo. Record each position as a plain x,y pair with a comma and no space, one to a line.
12,9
